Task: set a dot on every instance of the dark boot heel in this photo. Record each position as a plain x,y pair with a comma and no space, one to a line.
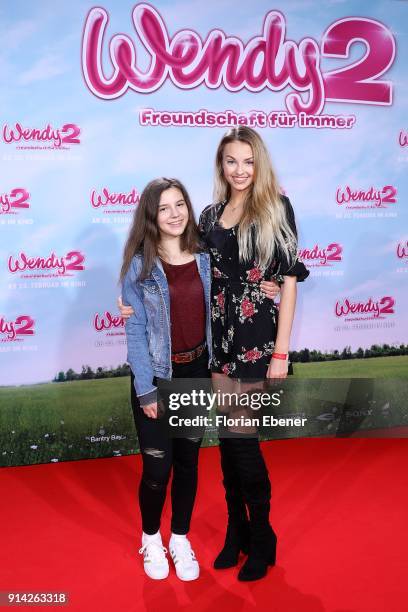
262,555
272,556
236,540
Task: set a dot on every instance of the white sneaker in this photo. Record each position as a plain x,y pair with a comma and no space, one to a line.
155,562
183,556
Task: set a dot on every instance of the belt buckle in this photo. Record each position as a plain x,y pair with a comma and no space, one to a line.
188,356
180,358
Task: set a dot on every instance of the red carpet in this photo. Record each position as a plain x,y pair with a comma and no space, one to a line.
340,509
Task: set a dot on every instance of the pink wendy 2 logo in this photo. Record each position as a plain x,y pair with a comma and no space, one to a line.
73,261
366,198
68,134
107,321
267,61
13,201
322,256
17,329
369,309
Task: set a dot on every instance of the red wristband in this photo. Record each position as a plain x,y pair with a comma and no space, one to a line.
280,356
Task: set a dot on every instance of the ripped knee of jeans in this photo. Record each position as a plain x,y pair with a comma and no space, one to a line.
154,484
154,452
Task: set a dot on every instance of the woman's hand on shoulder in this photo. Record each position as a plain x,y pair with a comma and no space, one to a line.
125,311
270,288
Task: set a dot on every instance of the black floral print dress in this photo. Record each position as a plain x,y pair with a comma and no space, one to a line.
244,320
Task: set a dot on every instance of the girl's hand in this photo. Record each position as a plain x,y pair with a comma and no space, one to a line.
150,410
270,288
278,368
125,311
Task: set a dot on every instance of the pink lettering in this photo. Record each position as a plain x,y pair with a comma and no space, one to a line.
379,197
126,199
359,82
189,61
402,250
383,306
23,262
17,198
314,254
107,321
7,329
19,133
4,203
265,61
22,326
403,138
333,252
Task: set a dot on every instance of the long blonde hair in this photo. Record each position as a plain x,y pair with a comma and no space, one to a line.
264,212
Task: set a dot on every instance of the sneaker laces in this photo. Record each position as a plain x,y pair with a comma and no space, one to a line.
154,550
183,551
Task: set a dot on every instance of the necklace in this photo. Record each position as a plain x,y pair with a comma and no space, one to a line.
233,209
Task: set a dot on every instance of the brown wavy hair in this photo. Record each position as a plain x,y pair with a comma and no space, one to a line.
144,234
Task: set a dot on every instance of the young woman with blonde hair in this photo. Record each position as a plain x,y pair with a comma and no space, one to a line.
251,235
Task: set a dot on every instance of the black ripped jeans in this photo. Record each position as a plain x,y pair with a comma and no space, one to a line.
161,454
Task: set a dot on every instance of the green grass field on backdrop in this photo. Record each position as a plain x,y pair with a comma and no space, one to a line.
374,367
92,418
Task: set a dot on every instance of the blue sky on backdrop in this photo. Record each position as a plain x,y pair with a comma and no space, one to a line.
42,82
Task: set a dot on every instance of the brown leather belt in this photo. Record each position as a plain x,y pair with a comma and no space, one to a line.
188,355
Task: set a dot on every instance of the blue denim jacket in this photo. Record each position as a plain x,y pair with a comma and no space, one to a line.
148,329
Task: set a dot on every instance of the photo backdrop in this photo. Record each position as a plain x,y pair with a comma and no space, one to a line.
95,102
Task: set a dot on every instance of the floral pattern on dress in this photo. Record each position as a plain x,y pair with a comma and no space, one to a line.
244,320
218,306
245,308
217,273
216,256
254,354
228,368
254,274
246,304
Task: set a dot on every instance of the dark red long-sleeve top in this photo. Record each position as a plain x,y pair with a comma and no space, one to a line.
187,305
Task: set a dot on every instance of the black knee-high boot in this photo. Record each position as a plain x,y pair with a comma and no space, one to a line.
256,490
237,537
